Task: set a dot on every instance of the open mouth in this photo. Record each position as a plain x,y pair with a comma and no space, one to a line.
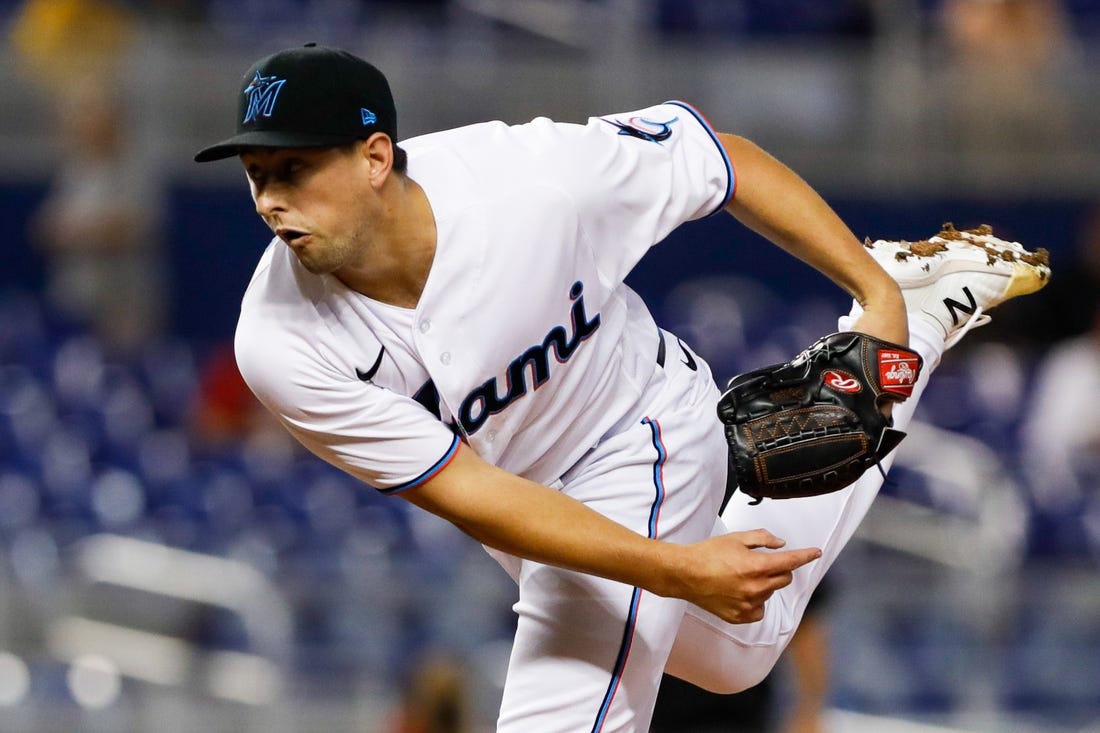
290,236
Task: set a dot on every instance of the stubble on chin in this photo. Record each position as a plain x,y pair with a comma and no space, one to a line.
313,266
318,260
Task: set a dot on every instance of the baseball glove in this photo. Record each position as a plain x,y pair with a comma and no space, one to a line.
814,424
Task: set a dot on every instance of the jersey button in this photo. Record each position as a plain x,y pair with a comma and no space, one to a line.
425,326
445,358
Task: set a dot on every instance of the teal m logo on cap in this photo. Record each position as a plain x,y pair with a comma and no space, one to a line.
262,92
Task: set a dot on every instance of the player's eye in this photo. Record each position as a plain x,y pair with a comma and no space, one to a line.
293,167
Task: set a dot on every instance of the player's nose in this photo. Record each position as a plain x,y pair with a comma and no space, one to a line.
268,202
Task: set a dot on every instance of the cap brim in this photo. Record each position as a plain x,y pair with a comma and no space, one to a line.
268,139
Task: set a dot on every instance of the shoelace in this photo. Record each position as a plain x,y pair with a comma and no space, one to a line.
977,319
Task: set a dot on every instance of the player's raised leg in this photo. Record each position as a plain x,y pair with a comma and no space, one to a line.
948,283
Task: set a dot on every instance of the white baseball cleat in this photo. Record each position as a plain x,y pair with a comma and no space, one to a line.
953,278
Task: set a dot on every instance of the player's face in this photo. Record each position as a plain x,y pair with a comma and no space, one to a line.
314,200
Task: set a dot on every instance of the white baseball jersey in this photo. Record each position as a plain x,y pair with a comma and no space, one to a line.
525,343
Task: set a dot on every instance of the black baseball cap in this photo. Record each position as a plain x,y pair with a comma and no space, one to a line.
310,96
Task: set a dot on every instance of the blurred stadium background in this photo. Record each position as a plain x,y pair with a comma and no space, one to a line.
169,563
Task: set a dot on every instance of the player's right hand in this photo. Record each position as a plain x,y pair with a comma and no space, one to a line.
733,575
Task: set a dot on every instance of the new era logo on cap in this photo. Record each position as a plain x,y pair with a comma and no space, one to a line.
369,118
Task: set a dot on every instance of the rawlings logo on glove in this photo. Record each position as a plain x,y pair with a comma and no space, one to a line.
813,425
843,382
897,372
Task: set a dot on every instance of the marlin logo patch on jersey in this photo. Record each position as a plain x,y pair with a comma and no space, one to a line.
262,92
487,399
643,129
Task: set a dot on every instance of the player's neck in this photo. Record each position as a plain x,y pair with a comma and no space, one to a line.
395,266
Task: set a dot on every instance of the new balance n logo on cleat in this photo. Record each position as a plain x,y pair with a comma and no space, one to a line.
954,306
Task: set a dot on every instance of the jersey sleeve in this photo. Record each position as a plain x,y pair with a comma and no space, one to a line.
635,177
383,438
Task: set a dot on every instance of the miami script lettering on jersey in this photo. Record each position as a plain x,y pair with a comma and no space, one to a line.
486,400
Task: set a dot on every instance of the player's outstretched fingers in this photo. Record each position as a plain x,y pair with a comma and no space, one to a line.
758,538
731,577
771,571
787,561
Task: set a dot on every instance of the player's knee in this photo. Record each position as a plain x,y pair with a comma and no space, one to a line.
745,670
743,682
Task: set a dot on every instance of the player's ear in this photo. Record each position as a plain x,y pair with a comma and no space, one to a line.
377,151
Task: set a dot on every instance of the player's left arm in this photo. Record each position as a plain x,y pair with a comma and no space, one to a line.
775,202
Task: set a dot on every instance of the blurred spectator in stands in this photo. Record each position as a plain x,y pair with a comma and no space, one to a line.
224,413
684,708
808,662
99,226
1004,77
434,701
1062,428
224,408
53,39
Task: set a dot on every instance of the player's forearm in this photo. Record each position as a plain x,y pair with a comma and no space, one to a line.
537,523
776,203
721,574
